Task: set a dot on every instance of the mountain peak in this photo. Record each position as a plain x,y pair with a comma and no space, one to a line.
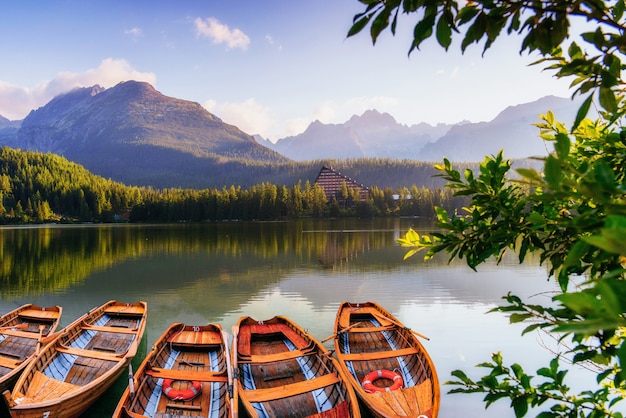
372,117
132,128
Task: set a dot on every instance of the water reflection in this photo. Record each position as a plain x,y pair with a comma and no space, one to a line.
218,272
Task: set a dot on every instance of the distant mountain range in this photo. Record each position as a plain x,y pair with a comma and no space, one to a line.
378,135
133,134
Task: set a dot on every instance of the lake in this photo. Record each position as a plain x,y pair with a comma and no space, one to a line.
217,272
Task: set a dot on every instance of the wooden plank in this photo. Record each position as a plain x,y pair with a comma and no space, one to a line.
196,338
369,329
39,314
42,388
379,354
424,393
263,395
125,309
9,363
89,353
270,358
21,334
184,407
119,330
174,374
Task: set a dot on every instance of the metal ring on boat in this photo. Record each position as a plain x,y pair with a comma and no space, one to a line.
181,395
368,383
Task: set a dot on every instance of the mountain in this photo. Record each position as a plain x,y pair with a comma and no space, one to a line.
371,135
512,130
8,129
134,134
378,135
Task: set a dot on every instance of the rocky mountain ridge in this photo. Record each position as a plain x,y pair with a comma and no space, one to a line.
378,135
134,134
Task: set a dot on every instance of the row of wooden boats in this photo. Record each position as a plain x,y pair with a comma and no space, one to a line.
272,368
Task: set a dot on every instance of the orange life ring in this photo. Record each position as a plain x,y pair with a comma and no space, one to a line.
368,383
181,395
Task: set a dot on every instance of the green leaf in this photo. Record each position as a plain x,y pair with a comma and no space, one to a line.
444,31
520,406
604,176
582,112
380,23
562,146
612,236
423,29
607,99
514,318
467,13
553,172
359,24
530,174
574,51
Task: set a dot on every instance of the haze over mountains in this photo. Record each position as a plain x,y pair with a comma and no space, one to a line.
376,135
134,134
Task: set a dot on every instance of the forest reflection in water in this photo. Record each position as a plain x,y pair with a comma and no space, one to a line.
216,272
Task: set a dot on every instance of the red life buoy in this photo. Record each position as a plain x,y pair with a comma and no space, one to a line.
368,383
181,395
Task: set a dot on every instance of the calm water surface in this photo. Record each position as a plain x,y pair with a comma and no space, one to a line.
199,273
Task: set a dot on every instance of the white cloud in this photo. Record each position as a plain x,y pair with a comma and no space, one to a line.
134,32
249,116
17,101
220,33
270,40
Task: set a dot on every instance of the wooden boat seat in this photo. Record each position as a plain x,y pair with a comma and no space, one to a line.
369,329
176,406
196,340
80,352
10,363
263,395
174,374
184,406
270,358
21,333
125,310
53,388
379,354
121,330
39,315
245,335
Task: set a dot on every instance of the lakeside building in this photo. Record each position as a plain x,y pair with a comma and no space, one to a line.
332,182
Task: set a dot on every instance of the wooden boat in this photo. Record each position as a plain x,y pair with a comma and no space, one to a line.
187,373
284,372
388,367
23,331
80,364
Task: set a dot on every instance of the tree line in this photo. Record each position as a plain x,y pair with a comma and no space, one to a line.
44,187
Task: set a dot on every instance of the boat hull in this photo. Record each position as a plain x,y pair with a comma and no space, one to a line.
187,362
388,367
80,364
22,332
283,371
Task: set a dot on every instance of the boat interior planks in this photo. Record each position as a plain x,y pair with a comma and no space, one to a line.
283,371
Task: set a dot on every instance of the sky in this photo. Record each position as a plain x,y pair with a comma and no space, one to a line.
269,67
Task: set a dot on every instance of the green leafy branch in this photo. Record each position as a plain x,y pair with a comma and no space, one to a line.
515,384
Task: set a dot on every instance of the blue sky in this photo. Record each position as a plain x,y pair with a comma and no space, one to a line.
269,67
